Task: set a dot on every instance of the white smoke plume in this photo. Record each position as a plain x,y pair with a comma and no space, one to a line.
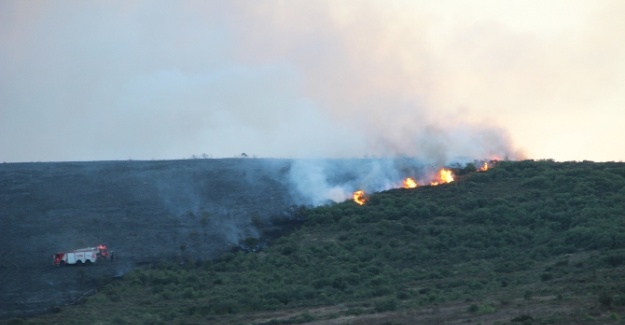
158,80
318,182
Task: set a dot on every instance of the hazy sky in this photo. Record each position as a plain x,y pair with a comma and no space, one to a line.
102,80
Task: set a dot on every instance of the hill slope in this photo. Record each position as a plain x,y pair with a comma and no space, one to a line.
526,242
149,211
143,210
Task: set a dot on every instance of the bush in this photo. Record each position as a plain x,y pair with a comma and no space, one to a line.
618,300
614,259
525,319
481,309
383,305
226,306
528,295
486,309
546,276
16,321
188,293
402,295
605,299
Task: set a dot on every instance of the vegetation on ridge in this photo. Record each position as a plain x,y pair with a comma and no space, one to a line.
527,232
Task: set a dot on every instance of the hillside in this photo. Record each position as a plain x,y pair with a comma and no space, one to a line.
150,211
530,242
145,211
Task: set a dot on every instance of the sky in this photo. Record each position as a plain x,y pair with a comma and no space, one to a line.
117,80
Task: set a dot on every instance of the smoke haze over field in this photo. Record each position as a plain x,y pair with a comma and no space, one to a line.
317,182
103,80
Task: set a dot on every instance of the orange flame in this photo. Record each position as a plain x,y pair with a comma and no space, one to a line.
444,176
484,167
409,183
359,197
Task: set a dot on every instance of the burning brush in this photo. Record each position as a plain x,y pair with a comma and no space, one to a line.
409,183
359,197
443,176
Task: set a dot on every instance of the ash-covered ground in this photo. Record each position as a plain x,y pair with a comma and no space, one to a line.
145,211
150,211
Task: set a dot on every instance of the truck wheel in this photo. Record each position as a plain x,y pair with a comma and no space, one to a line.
62,263
88,262
79,263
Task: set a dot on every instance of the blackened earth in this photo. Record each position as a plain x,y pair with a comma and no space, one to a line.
145,211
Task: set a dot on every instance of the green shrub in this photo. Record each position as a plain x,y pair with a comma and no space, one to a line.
16,321
546,276
525,319
383,305
605,299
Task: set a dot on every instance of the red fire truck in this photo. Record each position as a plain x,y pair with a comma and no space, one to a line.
81,256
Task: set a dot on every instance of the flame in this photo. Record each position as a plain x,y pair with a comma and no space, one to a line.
359,197
444,176
484,167
409,183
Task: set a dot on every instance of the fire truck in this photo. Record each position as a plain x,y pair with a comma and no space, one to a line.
81,256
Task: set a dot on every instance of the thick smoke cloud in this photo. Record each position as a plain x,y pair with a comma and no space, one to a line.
152,80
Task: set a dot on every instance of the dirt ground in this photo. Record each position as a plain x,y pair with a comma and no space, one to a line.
566,312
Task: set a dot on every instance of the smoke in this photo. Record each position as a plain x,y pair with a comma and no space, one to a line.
317,182
374,73
123,268
155,80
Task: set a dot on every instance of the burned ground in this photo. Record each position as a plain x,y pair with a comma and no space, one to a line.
145,211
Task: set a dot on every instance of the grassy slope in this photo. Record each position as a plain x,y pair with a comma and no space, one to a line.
524,243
